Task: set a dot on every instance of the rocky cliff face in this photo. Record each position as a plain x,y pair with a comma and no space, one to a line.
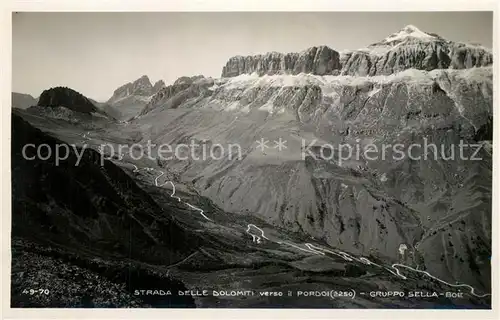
183,89
128,100
316,60
410,48
160,84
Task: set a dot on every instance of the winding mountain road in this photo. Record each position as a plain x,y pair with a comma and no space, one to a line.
310,248
313,249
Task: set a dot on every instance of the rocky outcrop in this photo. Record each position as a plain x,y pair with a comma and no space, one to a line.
183,89
68,98
140,87
465,56
160,84
129,99
316,60
411,56
414,55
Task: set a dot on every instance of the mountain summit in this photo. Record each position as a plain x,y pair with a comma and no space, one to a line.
140,87
131,98
160,84
412,48
410,32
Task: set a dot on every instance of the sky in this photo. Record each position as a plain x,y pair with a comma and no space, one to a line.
95,53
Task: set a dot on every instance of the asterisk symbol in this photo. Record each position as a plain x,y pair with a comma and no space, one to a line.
262,144
280,144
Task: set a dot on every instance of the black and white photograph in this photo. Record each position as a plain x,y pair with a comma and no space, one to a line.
251,160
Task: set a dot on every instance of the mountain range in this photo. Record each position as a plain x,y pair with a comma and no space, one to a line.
409,48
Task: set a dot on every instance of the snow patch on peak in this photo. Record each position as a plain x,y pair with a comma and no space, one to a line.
411,28
410,31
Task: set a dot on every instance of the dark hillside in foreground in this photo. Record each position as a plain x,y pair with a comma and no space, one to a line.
79,217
